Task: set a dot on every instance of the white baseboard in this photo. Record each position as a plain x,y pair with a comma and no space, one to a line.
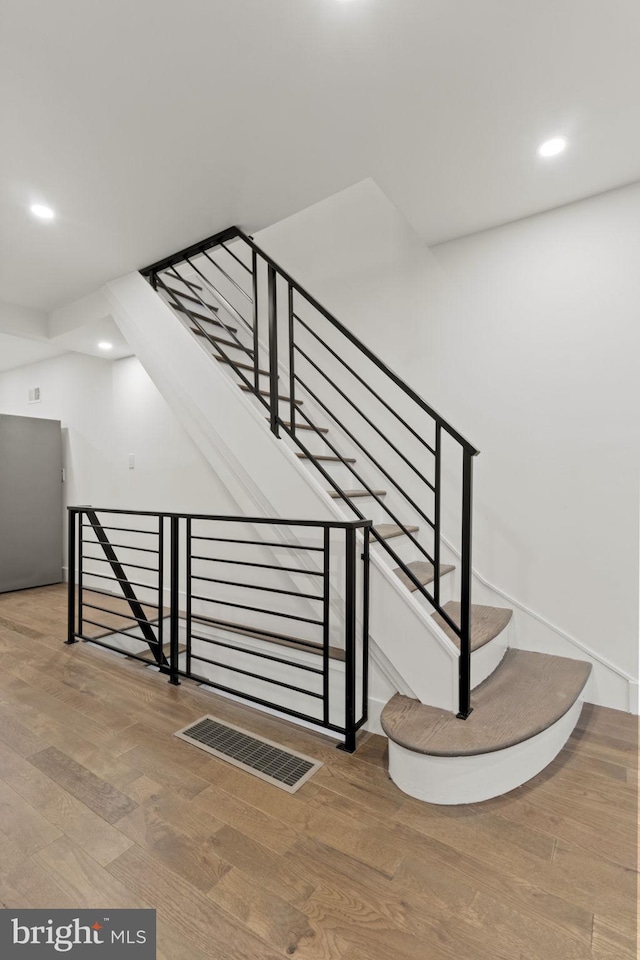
610,685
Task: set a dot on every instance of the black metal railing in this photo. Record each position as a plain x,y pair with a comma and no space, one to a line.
272,332
266,575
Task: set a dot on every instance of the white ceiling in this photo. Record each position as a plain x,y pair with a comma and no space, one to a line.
150,125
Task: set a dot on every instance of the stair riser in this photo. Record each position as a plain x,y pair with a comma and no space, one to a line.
446,581
488,658
337,471
368,507
461,780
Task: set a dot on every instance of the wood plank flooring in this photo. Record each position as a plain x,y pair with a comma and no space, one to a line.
101,807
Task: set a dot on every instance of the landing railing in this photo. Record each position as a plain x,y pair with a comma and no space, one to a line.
280,338
272,611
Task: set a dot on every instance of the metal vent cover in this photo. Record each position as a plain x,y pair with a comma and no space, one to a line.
263,758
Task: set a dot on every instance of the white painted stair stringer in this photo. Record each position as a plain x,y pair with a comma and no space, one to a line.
234,437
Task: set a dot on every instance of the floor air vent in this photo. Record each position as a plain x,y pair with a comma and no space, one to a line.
263,758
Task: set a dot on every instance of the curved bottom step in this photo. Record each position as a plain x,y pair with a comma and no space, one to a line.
471,779
523,715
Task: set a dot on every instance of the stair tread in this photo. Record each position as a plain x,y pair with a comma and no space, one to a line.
325,456
202,316
356,493
525,695
187,296
422,571
304,426
386,531
242,366
310,646
265,393
486,622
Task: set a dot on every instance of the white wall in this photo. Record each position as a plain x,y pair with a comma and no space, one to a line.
548,334
526,338
77,391
108,411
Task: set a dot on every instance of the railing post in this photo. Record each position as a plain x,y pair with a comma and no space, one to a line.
464,670
160,581
273,350
80,575
71,585
174,602
365,624
292,375
326,608
436,513
350,636
256,339
188,604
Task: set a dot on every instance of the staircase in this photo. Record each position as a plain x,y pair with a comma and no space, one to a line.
377,451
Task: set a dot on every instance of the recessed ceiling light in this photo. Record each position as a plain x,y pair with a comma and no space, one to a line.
105,345
41,211
551,148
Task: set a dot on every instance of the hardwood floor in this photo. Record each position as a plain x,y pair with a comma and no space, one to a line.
101,807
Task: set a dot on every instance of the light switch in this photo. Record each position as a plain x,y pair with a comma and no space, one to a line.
132,461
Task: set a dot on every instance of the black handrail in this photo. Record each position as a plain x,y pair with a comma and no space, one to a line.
273,276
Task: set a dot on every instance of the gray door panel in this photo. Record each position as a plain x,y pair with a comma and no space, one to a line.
30,502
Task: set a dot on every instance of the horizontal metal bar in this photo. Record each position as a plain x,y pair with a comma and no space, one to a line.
256,653
368,420
255,586
134,583
195,318
151,533
235,232
257,676
244,606
377,498
232,254
228,276
262,702
123,616
258,543
312,645
262,566
385,473
277,522
122,546
361,380
221,297
359,344
124,653
123,563
124,633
